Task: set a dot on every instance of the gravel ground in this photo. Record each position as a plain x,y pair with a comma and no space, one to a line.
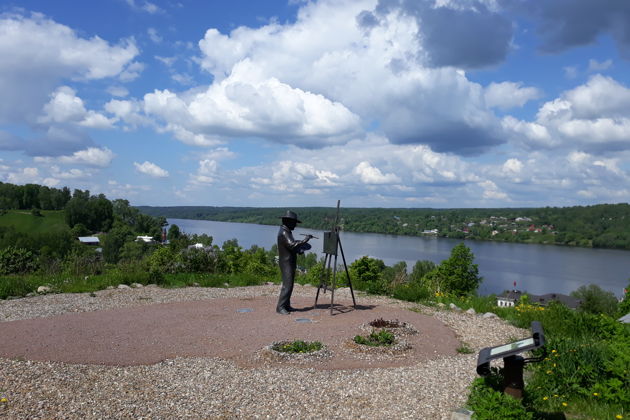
216,388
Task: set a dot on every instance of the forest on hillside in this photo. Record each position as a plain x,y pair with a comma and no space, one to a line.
597,226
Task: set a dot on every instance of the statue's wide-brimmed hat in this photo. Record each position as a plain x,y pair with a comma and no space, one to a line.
291,215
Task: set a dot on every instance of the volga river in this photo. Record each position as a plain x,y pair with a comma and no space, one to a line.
537,269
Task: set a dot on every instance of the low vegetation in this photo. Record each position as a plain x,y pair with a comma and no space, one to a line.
297,347
376,338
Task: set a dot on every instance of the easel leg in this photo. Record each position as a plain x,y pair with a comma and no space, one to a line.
334,285
323,280
343,257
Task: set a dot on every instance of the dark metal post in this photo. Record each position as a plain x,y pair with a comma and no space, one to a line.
513,376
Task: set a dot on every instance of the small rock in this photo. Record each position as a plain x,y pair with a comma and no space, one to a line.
30,294
269,283
226,285
462,414
489,315
136,285
454,307
471,311
441,305
195,284
123,286
151,285
109,288
43,289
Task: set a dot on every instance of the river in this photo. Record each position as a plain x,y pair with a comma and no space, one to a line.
537,269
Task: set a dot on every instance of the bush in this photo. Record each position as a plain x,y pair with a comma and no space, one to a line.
488,402
366,275
163,260
16,261
412,292
198,260
595,300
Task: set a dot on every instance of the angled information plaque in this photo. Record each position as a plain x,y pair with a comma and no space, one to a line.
512,362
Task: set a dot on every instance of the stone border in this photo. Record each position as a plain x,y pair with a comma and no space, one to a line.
404,329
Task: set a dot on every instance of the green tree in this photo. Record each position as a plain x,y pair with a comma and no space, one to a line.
173,233
457,274
114,241
421,269
594,300
366,274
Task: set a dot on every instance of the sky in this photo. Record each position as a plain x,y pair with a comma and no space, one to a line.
291,103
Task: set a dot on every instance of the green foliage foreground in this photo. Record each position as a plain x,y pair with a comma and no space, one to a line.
585,375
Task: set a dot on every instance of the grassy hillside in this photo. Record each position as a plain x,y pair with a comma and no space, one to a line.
25,222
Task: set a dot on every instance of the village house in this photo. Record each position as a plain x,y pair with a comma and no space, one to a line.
511,297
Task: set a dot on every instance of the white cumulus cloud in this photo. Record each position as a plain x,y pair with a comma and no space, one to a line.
151,169
506,95
92,156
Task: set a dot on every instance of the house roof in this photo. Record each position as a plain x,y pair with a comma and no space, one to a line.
88,239
569,301
515,295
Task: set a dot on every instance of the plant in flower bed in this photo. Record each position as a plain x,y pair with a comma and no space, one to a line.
297,346
376,339
382,323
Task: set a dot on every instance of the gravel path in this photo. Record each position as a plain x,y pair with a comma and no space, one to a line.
212,387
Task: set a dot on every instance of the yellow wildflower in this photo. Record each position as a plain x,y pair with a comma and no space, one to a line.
564,404
554,351
555,395
545,398
3,400
549,372
596,394
618,416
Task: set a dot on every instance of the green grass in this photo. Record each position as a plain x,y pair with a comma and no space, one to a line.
23,221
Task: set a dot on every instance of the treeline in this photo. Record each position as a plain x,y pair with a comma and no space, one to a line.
599,226
33,196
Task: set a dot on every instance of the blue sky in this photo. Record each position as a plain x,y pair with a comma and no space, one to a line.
379,103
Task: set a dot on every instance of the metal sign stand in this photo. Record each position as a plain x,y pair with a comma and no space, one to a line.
332,242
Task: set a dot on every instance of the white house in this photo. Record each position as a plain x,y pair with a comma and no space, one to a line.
145,239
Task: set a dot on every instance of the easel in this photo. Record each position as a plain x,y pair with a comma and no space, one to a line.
332,242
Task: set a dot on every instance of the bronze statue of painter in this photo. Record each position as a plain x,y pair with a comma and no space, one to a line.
288,248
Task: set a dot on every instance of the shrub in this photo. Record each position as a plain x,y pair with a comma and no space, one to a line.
376,339
198,260
595,300
488,402
16,260
366,275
